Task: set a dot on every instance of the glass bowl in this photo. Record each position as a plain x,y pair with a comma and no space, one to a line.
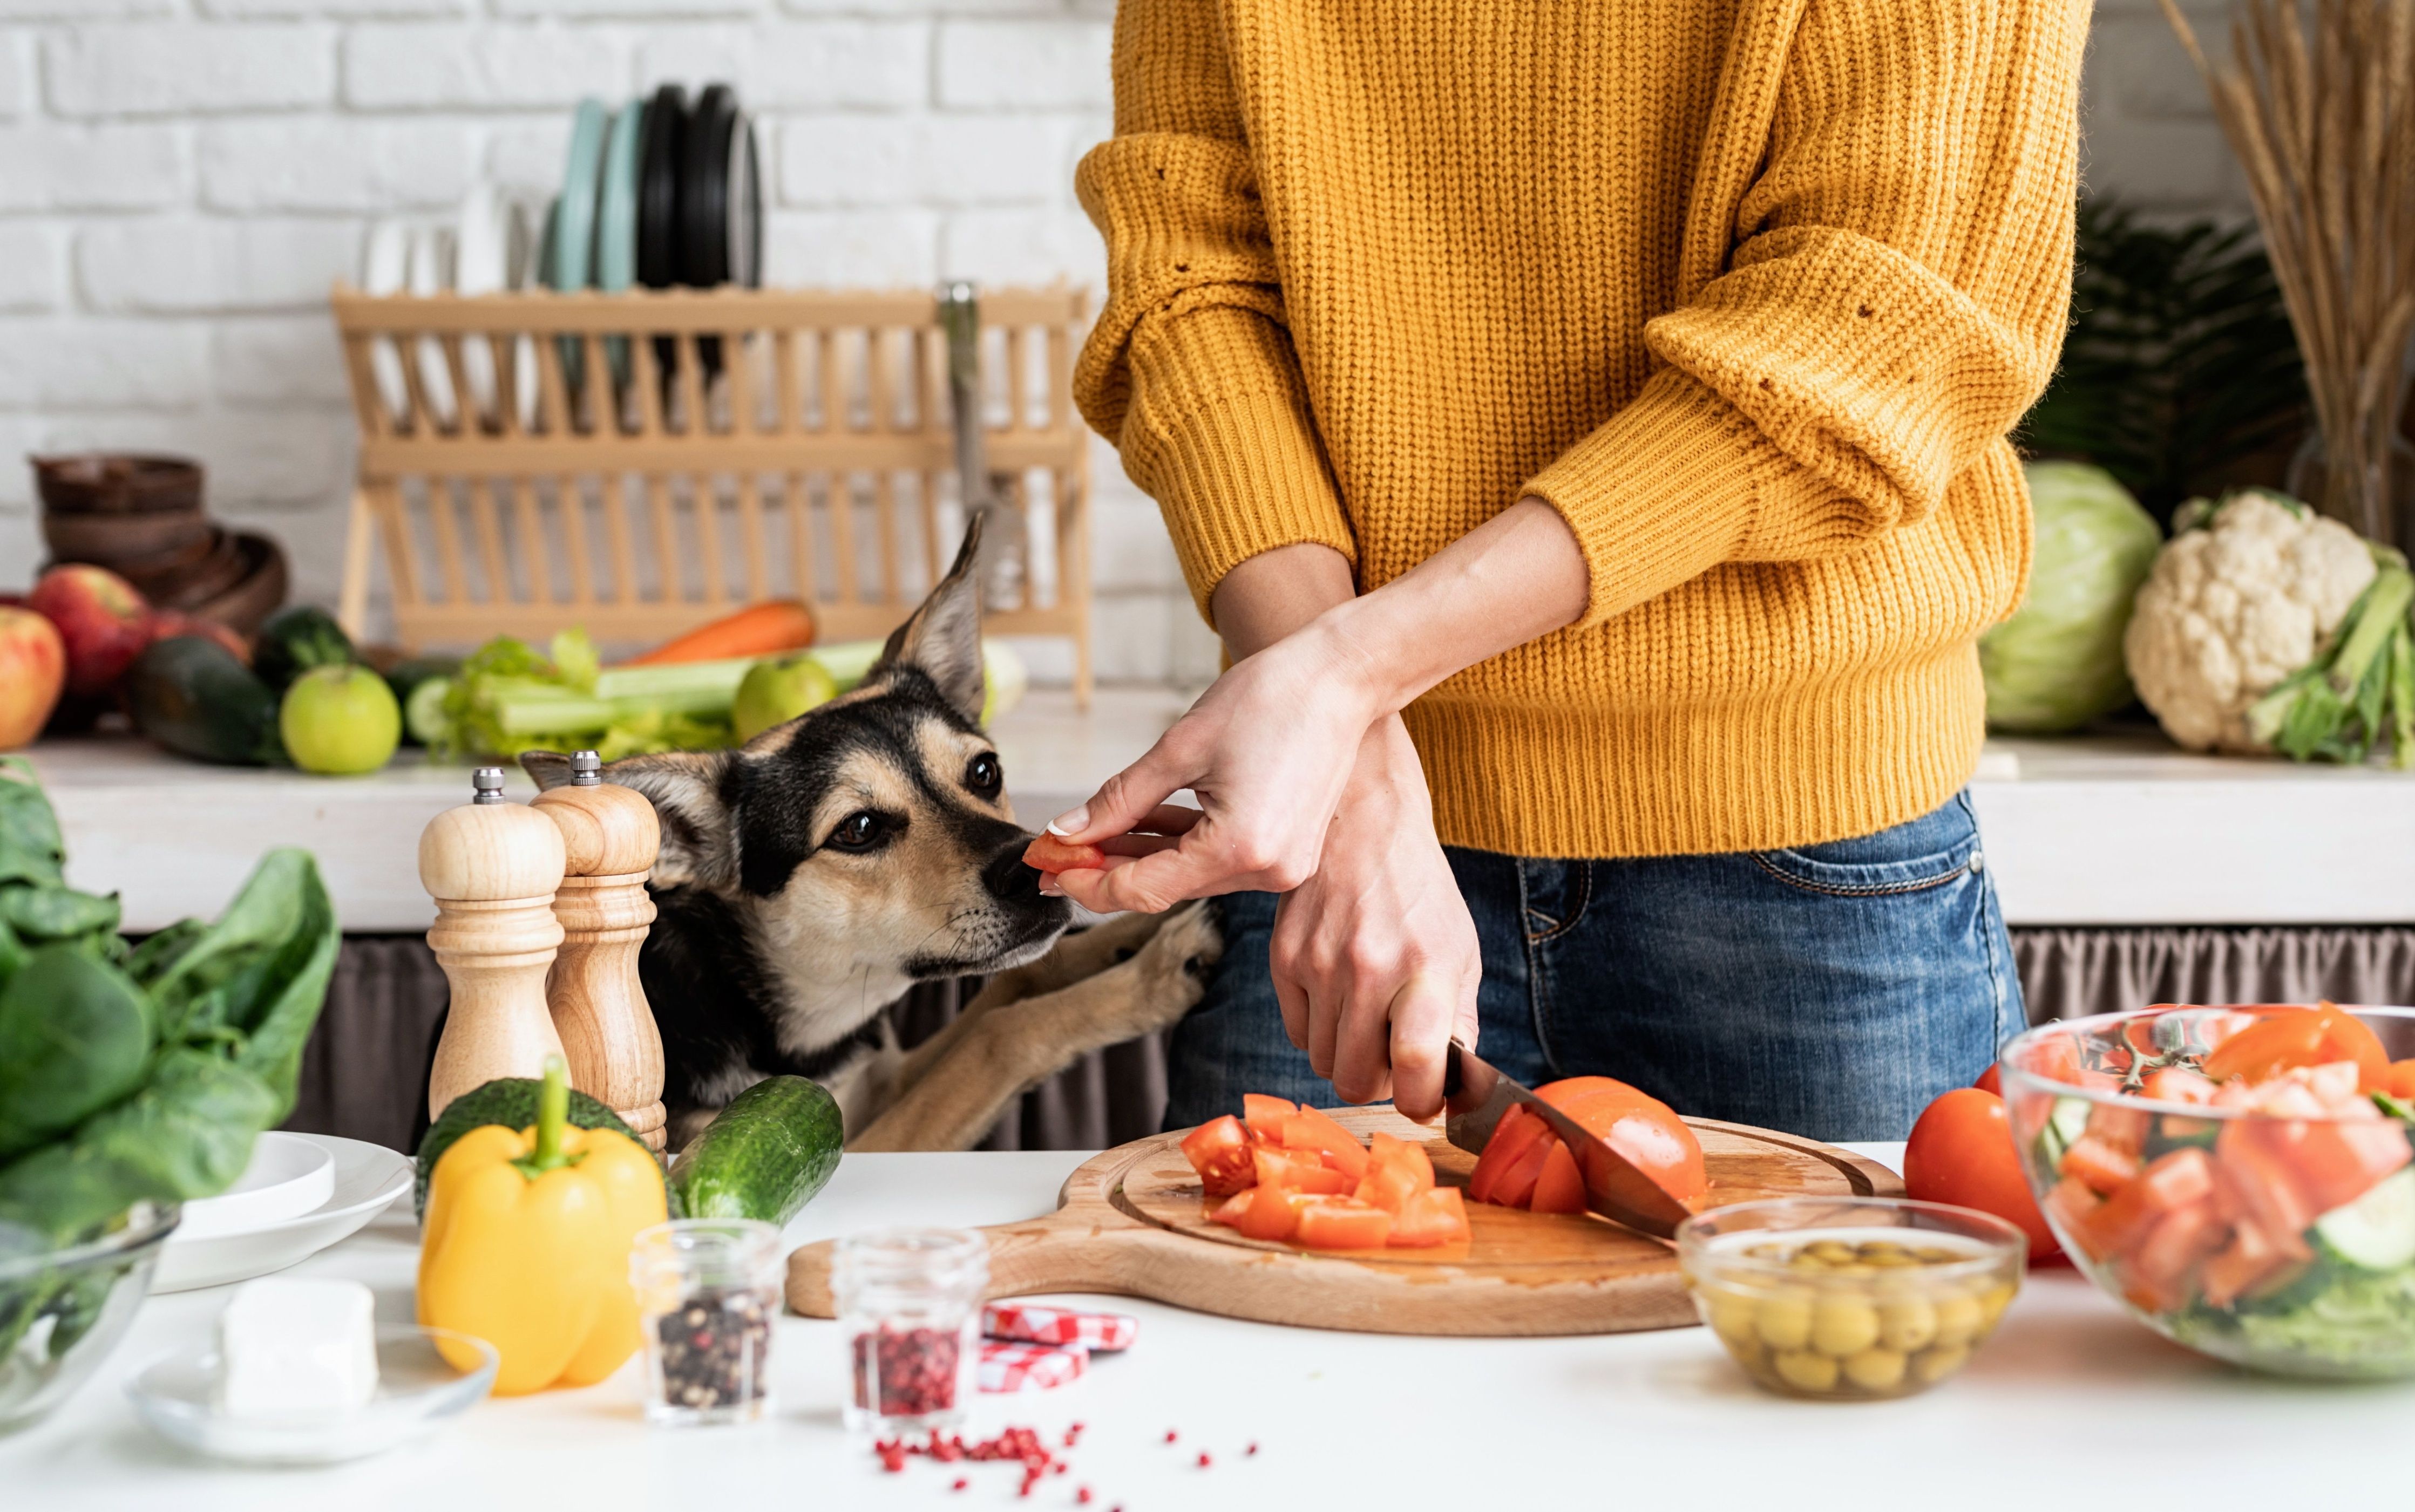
62,1310
418,1389
2267,1223
1851,1299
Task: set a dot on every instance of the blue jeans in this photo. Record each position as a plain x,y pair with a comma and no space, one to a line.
1830,991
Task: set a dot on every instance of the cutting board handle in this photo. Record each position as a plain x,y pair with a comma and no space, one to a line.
1043,1255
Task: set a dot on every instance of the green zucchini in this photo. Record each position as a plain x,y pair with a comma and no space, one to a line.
296,640
508,1100
193,696
764,1156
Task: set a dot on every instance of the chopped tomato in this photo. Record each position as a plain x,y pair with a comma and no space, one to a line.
1961,1152
1047,853
1274,1212
1220,1152
1512,1137
1309,1130
2176,1083
1515,1188
2075,1206
2163,1273
2171,1182
2251,1261
2104,1166
1266,1115
2400,1081
1300,1171
1231,1208
1342,1223
1992,1078
2123,1128
1429,1219
1559,1186
2327,1162
1643,1129
2283,1039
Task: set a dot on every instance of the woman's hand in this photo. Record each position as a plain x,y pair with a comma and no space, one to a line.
1374,957
1266,751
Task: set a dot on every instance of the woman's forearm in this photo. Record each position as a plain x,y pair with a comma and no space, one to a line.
1518,576
1275,592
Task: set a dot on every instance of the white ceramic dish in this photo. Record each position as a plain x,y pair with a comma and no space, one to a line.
383,271
431,273
289,1176
538,256
490,246
368,1179
418,1389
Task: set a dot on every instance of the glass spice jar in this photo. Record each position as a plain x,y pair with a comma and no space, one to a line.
707,1294
909,1306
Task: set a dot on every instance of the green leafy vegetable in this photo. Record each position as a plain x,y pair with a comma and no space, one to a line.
2057,662
2361,693
75,1035
509,697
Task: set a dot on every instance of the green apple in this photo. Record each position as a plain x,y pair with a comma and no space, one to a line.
338,720
776,690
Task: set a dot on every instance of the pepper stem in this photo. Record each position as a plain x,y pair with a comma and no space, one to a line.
552,1116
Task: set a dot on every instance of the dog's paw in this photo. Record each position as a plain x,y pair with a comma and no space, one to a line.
1174,966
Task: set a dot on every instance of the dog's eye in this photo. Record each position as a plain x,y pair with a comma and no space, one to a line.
985,776
861,831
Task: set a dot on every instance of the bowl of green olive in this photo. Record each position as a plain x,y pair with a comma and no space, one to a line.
1851,1300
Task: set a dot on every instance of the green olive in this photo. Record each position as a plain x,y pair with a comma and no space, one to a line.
1730,1317
1992,1303
1834,1251
1934,1365
1931,1254
1875,1369
1843,1325
1875,1248
1958,1319
1783,1318
1896,1261
1806,1260
1907,1323
1804,1371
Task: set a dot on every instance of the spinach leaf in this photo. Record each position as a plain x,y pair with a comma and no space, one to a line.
257,977
151,959
75,1036
187,1132
30,847
47,913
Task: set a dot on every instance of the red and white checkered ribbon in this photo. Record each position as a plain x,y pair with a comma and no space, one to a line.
1060,1325
1010,1366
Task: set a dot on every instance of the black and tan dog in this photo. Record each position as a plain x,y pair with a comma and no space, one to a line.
809,877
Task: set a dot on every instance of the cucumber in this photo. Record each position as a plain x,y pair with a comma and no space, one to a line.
193,696
508,1100
297,639
2376,1232
764,1156
2063,1127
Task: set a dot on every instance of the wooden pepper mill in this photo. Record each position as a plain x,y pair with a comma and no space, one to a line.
492,867
609,838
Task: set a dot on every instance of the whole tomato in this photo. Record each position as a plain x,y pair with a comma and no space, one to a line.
1961,1152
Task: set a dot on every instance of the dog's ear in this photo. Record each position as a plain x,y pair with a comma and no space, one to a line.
942,640
551,769
687,789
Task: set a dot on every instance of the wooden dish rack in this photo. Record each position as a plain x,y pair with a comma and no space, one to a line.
685,452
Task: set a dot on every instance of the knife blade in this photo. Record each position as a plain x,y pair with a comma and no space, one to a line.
1475,1097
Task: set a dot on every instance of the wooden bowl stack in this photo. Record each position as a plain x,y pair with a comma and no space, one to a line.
142,519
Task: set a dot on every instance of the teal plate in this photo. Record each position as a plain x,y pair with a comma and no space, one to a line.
572,265
616,223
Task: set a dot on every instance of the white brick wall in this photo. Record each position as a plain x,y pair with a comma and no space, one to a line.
180,179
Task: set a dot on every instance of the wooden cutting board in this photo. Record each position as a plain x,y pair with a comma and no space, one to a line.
1132,1221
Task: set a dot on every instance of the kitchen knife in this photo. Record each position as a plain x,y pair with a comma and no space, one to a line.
1475,1096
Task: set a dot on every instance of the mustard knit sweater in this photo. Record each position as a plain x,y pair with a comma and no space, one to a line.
1749,290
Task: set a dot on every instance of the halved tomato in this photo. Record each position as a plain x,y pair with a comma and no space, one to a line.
2283,1039
1047,853
1274,1212
1220,1152
1266,1116
1300,1171
1559,1186
1342,1223
1309,1130
1429,1219
1639,1127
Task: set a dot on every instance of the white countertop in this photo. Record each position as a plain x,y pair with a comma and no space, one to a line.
2070,1405
2098,830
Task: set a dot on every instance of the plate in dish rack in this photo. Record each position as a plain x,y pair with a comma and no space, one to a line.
368,1179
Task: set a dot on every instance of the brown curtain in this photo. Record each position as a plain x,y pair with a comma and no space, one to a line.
365,1074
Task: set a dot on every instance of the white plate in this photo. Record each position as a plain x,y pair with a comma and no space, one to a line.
431,273
488,247
418,1389
384,272
368,1178
289,1174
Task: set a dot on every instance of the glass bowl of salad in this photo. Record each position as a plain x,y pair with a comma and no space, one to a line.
2241,1178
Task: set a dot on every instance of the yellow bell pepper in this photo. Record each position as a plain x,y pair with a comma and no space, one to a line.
528,1241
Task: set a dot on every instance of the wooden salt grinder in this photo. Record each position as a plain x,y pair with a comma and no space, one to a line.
492,867
609,836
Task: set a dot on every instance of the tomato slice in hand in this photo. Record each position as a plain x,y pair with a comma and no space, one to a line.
1559,1186
1219,1150
1342,1223
1047,853
1961,1152
1309,1130
1430,1219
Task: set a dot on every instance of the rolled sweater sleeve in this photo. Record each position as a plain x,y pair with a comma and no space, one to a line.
1896,298
1191,371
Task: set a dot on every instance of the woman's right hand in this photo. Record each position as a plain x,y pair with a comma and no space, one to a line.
1266,751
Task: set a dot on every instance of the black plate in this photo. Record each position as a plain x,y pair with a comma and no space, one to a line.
704,190
659,163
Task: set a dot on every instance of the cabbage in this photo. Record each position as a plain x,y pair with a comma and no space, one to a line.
2057,664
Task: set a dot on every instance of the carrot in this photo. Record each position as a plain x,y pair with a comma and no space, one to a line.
756,630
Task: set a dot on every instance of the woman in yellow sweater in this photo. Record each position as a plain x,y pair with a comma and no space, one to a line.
1584,421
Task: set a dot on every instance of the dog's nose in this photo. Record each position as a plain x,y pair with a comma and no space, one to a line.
1008,879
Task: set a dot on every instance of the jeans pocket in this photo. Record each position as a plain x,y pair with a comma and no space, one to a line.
1940,846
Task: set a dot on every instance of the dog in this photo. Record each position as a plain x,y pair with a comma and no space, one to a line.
807,879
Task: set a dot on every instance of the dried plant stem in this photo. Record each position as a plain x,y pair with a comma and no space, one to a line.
2319,102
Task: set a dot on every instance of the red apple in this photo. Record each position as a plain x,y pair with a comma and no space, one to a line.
101,617
33,669
167,623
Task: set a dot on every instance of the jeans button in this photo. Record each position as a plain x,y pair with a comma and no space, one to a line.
1978,862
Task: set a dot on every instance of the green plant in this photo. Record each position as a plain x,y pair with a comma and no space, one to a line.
2181,363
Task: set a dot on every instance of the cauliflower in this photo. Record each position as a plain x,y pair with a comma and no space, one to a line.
2233,608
